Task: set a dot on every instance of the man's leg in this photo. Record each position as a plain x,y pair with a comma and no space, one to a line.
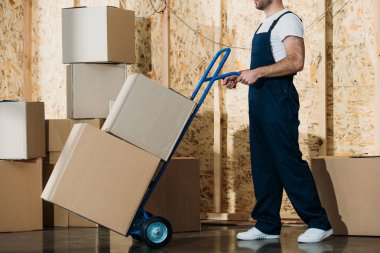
294,172
267,184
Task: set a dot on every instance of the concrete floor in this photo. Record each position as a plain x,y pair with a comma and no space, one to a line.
211,239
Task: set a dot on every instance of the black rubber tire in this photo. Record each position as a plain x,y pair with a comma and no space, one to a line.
137,237
145,236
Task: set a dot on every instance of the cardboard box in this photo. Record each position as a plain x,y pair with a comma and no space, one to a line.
98,34
101,177
55,216
22,130
148,115
52,157
58,130
177,195
91,87
20,190
349,190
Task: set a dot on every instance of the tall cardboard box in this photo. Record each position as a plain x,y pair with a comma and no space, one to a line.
148,115
20,190
91,88
101,177
98,34
58,130
349,190
177,195
22,130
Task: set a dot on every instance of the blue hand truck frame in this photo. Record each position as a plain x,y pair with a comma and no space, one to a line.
156,231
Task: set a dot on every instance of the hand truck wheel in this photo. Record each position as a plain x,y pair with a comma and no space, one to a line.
156,232
138,237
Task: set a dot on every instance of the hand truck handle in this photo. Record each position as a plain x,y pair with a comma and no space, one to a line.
216,75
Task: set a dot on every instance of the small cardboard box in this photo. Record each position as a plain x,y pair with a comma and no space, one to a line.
149,116
177,195
98,34
20,190
101,177
91,87
22,130
58,130
349,190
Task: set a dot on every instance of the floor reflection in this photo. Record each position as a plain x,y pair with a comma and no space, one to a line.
211,239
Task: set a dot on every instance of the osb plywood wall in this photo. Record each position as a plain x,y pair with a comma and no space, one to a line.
11,49
189,57
48,72
352,104
350,75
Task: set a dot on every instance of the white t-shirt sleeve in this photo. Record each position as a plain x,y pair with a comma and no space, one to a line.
289,25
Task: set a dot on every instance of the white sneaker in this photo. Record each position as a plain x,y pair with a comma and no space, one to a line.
255,234
314,235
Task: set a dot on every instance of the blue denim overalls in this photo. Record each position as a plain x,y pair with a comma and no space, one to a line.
276,159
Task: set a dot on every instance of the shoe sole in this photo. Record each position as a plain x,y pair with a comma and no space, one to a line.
328,233
268,237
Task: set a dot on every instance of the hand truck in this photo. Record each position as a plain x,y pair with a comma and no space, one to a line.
156,231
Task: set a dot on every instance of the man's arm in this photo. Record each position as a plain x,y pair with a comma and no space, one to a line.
293,63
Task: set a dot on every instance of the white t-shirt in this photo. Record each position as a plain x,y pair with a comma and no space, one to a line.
288,25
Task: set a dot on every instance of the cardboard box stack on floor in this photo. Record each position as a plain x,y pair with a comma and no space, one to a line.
104,175
349,191
22,145
97,43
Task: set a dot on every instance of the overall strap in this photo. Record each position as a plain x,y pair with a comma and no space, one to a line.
278,19
259,28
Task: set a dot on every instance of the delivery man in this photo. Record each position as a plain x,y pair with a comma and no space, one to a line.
278,53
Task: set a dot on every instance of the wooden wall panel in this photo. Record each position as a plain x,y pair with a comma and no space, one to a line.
189,56
11,49
48,72
144,34
353,106
376,60
237,181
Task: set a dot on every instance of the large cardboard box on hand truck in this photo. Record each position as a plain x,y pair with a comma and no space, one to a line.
20,190
57,132
149,116
349,190
101,177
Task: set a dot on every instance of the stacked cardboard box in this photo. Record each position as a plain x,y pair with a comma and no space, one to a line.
22,145
349,191
104,175
148,115
93,35
97,43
